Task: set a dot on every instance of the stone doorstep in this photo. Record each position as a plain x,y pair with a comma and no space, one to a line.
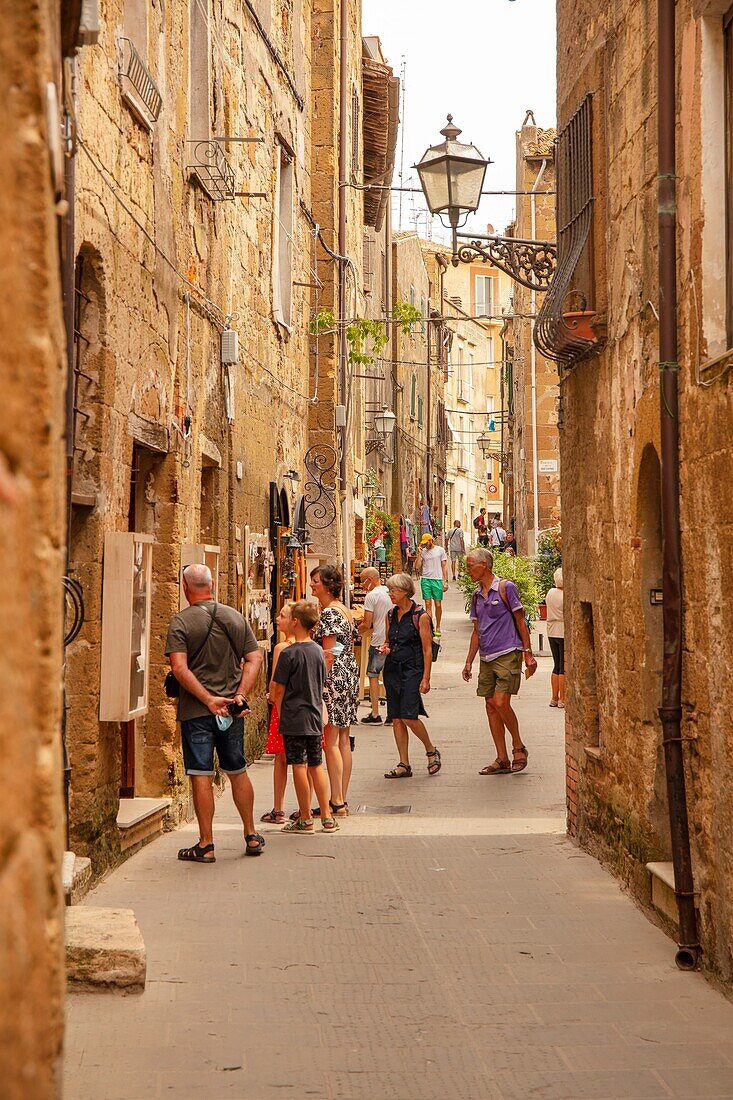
104,950
140,820
661,876
76,877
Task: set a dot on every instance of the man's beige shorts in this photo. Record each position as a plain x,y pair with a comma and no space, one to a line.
501,676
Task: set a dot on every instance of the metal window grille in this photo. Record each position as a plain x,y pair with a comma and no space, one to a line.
138,86
563,321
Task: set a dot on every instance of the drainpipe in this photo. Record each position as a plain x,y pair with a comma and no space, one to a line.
533,375
343,349
670,712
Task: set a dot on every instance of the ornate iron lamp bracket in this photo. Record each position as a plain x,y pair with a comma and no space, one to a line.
319,509
531,263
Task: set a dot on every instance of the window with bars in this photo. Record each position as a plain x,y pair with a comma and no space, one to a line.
563,330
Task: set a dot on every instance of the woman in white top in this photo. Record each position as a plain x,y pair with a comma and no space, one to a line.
556,636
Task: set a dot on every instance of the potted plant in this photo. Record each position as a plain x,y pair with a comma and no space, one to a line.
577,324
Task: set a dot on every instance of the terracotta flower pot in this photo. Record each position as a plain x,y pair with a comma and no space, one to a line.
579,325
543,612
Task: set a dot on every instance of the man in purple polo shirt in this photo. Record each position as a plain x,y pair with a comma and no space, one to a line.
501,637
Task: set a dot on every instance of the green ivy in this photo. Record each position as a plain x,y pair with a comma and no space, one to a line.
521,571
366,339
549,558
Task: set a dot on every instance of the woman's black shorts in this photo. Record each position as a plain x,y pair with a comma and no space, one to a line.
557,645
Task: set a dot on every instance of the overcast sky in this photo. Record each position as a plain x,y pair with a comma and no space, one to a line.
485,62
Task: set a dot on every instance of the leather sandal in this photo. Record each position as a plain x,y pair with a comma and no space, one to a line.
434,762
197,853
518,765
253,849
396,773
499,767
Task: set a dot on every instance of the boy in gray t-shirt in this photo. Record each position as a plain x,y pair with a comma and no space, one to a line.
296,690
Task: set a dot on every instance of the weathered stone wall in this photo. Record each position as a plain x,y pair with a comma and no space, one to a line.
163,268
31,542
325,372
610,452
532,143
410,284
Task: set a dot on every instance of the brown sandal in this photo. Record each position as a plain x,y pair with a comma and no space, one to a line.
521,764
499,767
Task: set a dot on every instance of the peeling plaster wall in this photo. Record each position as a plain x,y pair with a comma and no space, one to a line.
610,441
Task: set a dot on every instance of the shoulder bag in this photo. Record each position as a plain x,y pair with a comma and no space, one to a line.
170,685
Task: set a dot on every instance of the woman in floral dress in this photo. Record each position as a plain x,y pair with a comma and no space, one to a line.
337,633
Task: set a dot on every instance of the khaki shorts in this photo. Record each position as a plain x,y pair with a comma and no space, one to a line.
501,676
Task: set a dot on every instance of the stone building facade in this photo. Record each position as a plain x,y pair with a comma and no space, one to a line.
533,471
32,540
207,239
610,447
475,298
418,385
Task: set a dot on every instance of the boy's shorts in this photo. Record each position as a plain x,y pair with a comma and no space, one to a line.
199,738
303,749
501,676
430,589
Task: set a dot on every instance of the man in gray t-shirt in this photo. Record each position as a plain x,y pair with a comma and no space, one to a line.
216,660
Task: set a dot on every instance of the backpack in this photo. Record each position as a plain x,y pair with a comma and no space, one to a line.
416,613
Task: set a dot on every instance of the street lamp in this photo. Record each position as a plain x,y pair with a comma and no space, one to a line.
385,421
452,178
486,443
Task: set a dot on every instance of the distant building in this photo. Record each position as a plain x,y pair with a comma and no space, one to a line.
531,381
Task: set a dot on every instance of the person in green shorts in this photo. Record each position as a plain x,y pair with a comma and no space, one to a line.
432,564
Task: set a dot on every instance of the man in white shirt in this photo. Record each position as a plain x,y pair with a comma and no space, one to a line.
376,605
432,564
456,546
498,536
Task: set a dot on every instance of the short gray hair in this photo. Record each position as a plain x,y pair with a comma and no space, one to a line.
403,582
198,577
482,555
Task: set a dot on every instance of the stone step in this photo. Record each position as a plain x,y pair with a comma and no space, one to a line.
661,877
105,951
139,821
76,877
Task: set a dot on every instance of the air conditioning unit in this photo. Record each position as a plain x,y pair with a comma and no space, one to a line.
229,346
89,23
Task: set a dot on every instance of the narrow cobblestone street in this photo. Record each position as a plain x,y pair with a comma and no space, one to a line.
466,949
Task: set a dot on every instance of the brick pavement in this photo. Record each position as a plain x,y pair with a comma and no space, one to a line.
464,950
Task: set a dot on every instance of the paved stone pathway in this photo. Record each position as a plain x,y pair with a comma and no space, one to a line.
464,950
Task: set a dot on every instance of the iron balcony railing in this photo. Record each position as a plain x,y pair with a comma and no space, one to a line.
138,86
212,169
564,329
